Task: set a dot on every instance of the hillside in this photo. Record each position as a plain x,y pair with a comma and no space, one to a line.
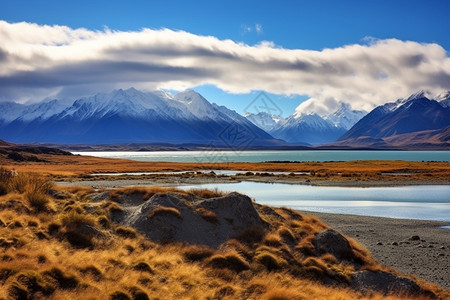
133,243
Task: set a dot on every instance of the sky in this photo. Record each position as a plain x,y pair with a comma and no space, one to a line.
305,55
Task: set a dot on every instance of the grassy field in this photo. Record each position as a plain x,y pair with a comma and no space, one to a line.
57,244
63,166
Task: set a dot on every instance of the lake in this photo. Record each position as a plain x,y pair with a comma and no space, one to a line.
216,156
407,202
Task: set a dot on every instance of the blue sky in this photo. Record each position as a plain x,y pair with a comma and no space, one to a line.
307,25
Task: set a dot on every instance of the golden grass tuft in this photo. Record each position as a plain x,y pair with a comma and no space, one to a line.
126,232
230,260
206,193
207,215
273,239
269,260
38,201
197,253
164,211
145,192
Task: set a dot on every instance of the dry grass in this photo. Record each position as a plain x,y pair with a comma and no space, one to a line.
37,259
208,215
164,211
79,166
144,192
205,193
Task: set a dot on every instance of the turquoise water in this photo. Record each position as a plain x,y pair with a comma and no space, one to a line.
213,156
406,202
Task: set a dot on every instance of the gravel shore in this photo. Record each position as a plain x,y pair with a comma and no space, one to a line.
417,247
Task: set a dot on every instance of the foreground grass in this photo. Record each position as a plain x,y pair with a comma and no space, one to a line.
68,247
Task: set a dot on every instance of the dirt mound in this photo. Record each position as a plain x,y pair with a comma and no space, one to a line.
211,222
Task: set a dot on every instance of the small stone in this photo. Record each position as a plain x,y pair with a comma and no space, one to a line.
430,246
414,238
442,247
394,244
379,243
441,254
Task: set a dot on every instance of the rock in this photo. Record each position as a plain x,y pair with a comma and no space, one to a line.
385,283
379,243
394,244
331,241
234,213
414,238
442,247
99,197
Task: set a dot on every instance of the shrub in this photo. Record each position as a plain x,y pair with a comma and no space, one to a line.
29,182
232,261
93,271
197,253
207,215
273,240
3,188
143,267
206,194
305,246
79,229
119,295
74,219
286,234
37,200
126,232
164,211
269,260
65,281
6,175
251,235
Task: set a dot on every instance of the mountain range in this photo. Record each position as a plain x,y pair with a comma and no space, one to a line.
187,118
309,129
130,116
416,121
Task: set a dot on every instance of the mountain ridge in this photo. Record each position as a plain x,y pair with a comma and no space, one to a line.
125,116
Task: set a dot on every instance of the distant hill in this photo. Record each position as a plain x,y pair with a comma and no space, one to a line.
412,122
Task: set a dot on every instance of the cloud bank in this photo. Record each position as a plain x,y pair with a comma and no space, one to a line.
41,60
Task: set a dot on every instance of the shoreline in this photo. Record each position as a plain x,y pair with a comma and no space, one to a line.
190,178
391,243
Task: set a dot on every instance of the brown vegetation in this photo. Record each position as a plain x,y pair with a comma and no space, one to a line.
71,166
67,252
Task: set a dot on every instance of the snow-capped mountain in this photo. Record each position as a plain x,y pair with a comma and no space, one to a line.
307,129
129,116
301,128
264,120
344,116
413,114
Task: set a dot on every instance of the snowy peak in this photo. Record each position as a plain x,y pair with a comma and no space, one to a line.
196,104
264,120
345,117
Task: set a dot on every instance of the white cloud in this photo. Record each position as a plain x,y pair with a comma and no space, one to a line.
258,28
40,60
